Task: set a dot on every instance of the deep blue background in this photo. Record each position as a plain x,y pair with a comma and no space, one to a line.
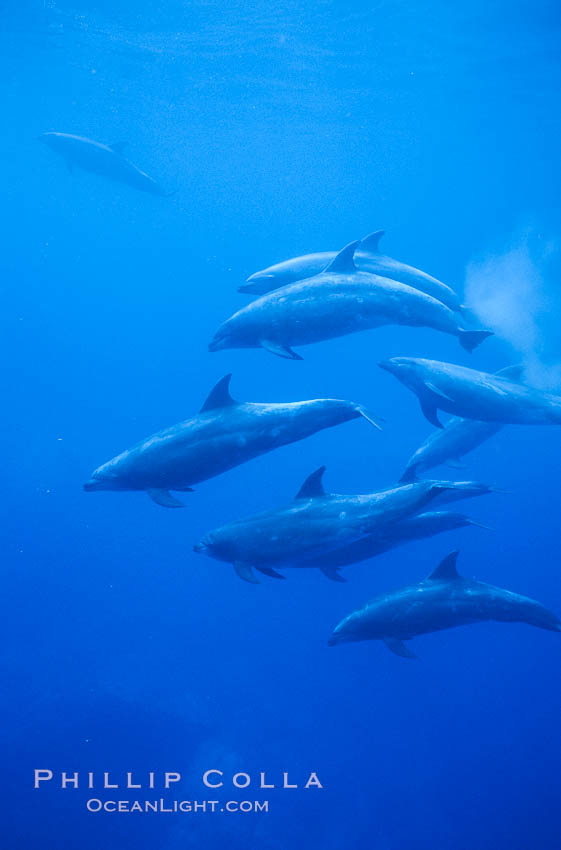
286,127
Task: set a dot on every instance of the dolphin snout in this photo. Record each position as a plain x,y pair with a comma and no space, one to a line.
218,344
387,365
199,547
91,485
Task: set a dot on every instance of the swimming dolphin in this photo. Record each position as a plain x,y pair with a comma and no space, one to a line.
394,534
368,259
315,523
473,395
448,445
106,160
339,301
443,600
224,434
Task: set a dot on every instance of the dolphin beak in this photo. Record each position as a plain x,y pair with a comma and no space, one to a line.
200,547
91,485
387,365
217,344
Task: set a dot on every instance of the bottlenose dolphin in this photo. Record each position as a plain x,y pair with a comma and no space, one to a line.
314,523
392,535
447,446
473,395
368,259
224,434
443,600
106,160
339,301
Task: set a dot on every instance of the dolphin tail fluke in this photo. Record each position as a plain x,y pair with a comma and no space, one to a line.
398,647
164,498
246,573
471,339
369,417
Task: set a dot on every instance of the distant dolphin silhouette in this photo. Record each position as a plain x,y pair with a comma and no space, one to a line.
473,395
368,259
106,160
339,301
223,435
442,601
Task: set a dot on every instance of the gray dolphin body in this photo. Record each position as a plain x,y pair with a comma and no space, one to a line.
473,395
340,301
448,445
391,536
224,434
105,160
368,258
315,523
442,601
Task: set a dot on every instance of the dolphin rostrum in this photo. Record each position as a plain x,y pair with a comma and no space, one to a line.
224,434
368,259
314,523
442,601
474,395
106,160
339,301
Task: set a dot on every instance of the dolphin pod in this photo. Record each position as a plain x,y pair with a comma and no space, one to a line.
442,601
471,394
368,259
105,160
316,523
224,434
339,301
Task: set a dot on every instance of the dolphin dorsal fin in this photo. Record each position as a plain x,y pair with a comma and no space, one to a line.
372,241
118,147
343,262
219,396
447,568
312,486
513,373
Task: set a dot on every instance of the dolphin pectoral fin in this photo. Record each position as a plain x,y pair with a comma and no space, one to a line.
164,498
333,574
453,463
279,349
437,391
397,646
268,571
430,411
246,573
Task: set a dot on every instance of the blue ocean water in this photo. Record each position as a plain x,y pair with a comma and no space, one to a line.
285,127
